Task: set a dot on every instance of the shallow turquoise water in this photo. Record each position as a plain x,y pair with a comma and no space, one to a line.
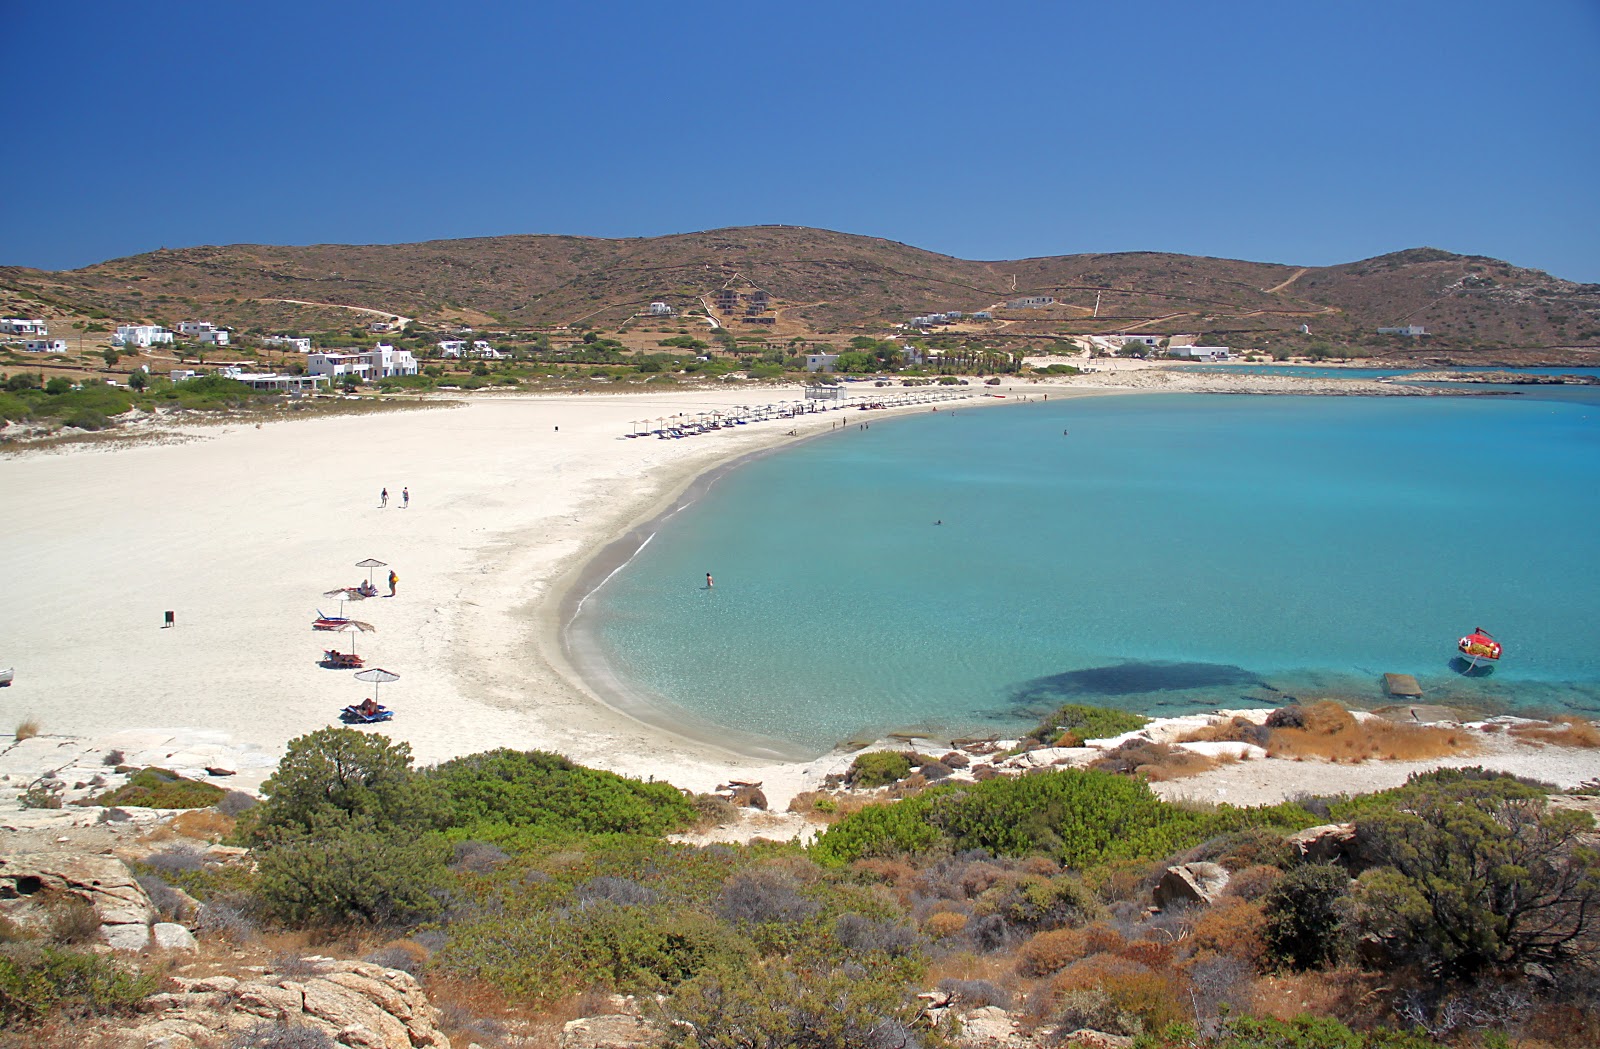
1171,553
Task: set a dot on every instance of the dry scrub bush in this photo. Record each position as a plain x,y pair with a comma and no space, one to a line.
827,806
1232,730
1154,761
944,924
1329,731
1152,997
1050,952
1252,883
1155,954
1562,732
202,824
897,873
27,730
1232,929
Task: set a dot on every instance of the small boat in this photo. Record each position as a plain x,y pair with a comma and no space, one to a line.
1478,648
6,675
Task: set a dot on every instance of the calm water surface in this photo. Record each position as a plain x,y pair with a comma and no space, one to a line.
1168,553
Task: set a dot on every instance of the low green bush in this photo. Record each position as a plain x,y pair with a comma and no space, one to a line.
1082,722
348,872
156,788
38,983
879,768
1078,818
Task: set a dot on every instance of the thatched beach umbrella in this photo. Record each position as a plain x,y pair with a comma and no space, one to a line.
369,564
376,675
354,627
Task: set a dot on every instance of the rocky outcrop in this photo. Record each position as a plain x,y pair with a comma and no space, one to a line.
1189,884
1329,843
613,1031
1084,1038
990,1027
28,881
357,1005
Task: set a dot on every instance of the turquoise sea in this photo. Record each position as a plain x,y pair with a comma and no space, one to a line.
1167,553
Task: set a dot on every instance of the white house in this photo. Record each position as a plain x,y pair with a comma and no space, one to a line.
190,329
452,347
180,374
22,326
953,315
215,337
271,382
1409,329
338,365
660,309
288,343
1152,341
384,361
821,362
140,335
983,315
1031,302
480,348
45,345
1199,353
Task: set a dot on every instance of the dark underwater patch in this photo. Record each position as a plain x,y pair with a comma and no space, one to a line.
1130,679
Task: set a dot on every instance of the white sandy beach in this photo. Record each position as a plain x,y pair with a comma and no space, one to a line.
240,531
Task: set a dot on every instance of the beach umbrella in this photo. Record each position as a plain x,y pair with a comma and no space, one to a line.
354,627
377,675
369,564
342,594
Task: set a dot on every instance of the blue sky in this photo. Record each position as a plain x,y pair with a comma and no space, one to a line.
1287,132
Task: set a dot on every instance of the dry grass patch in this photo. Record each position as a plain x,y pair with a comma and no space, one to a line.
1329,731
827,806
1562,732
27,730
1158,761
1231,730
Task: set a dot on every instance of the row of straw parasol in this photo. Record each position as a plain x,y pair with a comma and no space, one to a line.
376,675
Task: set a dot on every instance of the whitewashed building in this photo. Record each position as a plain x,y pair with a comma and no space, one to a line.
1198,353
193,329
660,309
452,347
141,335
381,362
1412,330
386,362
480,348
288,342
22,326
215,337
1031,302
45,345
821,362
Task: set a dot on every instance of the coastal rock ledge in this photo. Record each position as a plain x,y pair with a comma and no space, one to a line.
358,1005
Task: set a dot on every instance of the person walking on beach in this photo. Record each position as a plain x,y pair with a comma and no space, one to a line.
394,581
383,497
405,498
708,580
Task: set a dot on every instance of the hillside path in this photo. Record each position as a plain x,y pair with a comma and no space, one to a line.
1301,272
341,306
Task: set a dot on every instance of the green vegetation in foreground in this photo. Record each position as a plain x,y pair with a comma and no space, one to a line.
1076,818
536,881
44,981
160,789
1073,723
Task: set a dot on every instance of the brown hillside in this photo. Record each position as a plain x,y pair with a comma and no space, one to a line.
821,281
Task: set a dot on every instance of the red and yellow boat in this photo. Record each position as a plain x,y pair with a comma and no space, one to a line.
1478,648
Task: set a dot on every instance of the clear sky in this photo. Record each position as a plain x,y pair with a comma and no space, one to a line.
1277,131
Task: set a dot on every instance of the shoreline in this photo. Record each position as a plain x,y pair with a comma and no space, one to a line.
531,524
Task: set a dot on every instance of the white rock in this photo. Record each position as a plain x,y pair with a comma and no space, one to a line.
1223,748
130,937
170,936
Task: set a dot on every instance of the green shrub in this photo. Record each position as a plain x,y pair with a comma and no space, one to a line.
38,983
879,768
155,788
1078,818
1303,924
1082,722
547,794
546,955
339,772
346,871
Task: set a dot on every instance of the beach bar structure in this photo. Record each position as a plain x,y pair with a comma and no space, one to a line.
822,392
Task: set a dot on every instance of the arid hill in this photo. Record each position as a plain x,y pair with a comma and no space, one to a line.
822,281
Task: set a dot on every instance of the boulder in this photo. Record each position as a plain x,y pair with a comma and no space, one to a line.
1190,883
990,1027
170,936
130,937
357,1005
1331,842
613,1031
748,797
104,882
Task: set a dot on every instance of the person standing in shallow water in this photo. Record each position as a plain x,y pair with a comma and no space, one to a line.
708,580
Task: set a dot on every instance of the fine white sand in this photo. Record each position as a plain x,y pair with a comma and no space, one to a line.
240,531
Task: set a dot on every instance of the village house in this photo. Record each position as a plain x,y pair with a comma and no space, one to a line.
271,382
289,343
660,309
983,315
1411,330
480,348
338,365
1031,302
22,326
1198,353
451,347
45,345
140,335
193,329
215,337
821,362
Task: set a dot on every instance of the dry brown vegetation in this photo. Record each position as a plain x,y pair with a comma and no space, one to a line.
1158,761
1562,732
27,730
1329,731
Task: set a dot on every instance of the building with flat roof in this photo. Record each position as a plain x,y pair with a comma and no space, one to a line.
140,335
1411,330
1031,302
22,326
